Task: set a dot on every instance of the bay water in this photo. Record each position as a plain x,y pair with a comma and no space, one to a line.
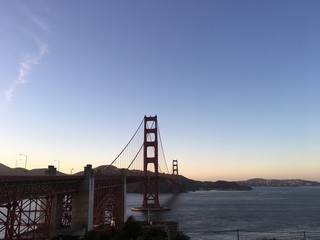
263,213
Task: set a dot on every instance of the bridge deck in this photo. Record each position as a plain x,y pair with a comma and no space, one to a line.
14,188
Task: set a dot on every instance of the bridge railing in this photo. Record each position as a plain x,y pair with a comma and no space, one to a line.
242,234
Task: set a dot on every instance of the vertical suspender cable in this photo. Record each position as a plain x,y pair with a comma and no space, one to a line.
165,161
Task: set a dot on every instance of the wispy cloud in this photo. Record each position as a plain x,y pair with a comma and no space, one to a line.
9,93
29,61
36,29
42,25
26,66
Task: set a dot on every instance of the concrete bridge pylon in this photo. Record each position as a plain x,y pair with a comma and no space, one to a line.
82,202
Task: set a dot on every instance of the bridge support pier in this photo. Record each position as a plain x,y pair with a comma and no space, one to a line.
82,203
124,179
56,207
56,214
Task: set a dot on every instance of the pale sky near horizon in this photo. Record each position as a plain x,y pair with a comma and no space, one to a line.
235,84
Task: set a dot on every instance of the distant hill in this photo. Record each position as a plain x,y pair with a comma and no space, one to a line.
4,170
185,184
7,171
260,182
189,185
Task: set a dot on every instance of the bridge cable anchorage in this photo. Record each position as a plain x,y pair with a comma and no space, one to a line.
165,160
126,145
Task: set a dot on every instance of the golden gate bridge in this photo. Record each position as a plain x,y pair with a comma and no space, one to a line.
38,207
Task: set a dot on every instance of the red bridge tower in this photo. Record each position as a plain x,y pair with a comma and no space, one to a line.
175,175
150,156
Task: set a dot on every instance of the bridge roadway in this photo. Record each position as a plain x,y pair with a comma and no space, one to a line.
69,201
15,188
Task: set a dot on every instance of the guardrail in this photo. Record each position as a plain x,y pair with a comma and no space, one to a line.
241,234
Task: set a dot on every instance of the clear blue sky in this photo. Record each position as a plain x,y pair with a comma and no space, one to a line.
235,84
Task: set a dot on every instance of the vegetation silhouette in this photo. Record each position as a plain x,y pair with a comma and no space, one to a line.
130,230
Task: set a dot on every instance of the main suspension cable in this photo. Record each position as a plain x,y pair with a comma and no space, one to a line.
127,144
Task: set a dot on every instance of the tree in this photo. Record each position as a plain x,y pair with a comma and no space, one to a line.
181,236
154,234
131,229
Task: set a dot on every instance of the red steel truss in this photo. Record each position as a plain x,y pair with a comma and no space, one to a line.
66,211
26,203
26,219
108,200
14,188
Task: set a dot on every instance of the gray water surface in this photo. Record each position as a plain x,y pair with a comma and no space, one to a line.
263,213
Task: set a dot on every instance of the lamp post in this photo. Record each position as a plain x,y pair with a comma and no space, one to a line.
25,162
17,162
58,164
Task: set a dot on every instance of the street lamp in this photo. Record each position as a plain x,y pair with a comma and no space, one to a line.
58,164
17,162
25,162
